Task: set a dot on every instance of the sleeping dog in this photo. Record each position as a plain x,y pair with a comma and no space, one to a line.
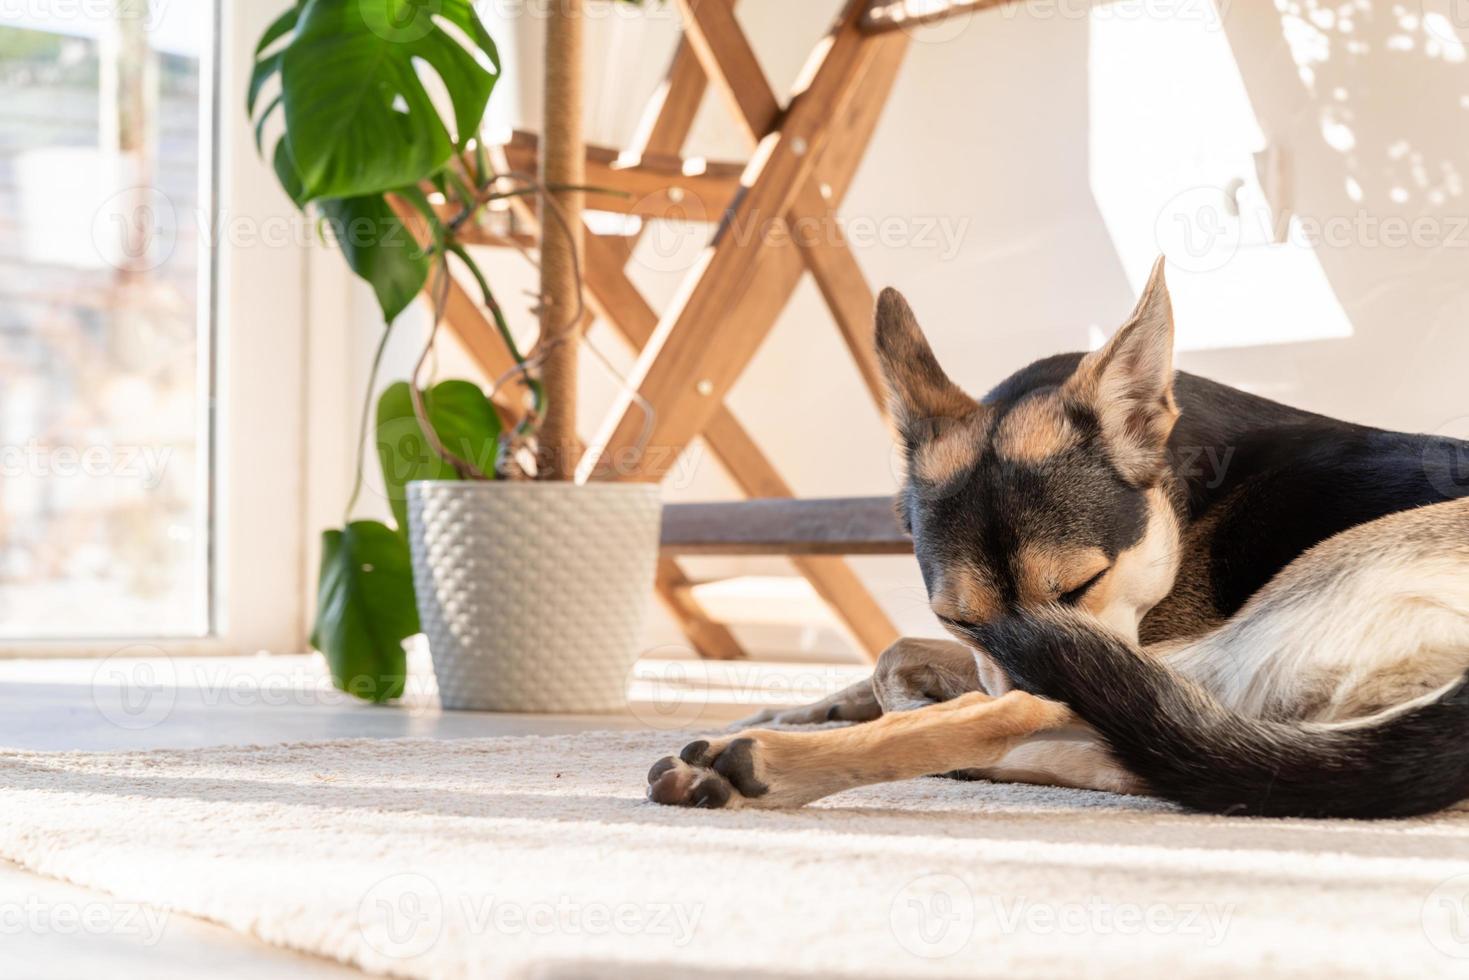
1286,637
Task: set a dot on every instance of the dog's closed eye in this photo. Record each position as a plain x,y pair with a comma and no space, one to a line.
1075,596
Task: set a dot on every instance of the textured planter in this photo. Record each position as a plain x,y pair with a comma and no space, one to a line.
533,595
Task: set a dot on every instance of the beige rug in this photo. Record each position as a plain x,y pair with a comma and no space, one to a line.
538,857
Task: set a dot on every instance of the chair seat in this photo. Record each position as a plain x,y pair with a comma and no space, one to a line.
783,526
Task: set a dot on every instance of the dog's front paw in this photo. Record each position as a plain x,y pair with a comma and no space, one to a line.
723,774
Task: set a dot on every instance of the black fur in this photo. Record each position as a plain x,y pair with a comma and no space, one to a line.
1189,749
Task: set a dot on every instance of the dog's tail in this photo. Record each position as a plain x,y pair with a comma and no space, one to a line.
1190,749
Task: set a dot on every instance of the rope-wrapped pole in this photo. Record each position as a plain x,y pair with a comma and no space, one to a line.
563,164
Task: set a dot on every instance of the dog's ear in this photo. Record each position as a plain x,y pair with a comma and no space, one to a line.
1128,385
921,398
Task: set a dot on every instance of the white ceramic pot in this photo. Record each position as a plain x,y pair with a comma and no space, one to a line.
533,595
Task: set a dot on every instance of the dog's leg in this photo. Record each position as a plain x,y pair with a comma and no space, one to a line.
911,673
857,702
915,672
1072,756
771,769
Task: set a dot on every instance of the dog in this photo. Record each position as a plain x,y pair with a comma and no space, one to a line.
1285,634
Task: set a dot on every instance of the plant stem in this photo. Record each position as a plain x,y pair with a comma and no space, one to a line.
563,164
377,360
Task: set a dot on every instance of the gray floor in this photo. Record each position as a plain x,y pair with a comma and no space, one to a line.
139,704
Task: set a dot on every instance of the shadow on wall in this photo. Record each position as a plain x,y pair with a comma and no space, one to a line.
1371,102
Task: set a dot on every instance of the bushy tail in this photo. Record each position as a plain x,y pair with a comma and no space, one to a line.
1192,750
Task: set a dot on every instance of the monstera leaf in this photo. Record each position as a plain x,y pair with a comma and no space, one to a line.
463,418
360,123
378,247
365,609
359,118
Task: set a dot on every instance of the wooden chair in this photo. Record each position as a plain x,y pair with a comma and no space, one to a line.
804,155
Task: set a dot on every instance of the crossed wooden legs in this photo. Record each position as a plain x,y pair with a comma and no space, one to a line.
732,297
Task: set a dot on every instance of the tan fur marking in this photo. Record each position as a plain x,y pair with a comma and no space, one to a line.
1035,429
1142,575
965,593
1047,572
954,450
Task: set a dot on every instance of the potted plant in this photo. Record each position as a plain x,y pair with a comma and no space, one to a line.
530,588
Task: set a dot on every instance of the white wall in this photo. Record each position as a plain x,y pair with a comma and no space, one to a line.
1057,145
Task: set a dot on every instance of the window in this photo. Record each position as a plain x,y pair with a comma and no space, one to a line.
104,320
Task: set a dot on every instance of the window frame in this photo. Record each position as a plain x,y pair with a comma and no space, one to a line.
254,349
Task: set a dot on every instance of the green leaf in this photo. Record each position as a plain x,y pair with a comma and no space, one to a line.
260,124
267,65
464,420
365,609
377,246
285,172
279,28
358,117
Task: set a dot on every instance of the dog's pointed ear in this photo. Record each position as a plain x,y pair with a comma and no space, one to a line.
920,395
1128,385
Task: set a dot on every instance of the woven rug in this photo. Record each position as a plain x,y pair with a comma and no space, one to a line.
538,857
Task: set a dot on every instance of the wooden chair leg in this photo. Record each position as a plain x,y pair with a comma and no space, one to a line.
722,48
700,348
625,309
